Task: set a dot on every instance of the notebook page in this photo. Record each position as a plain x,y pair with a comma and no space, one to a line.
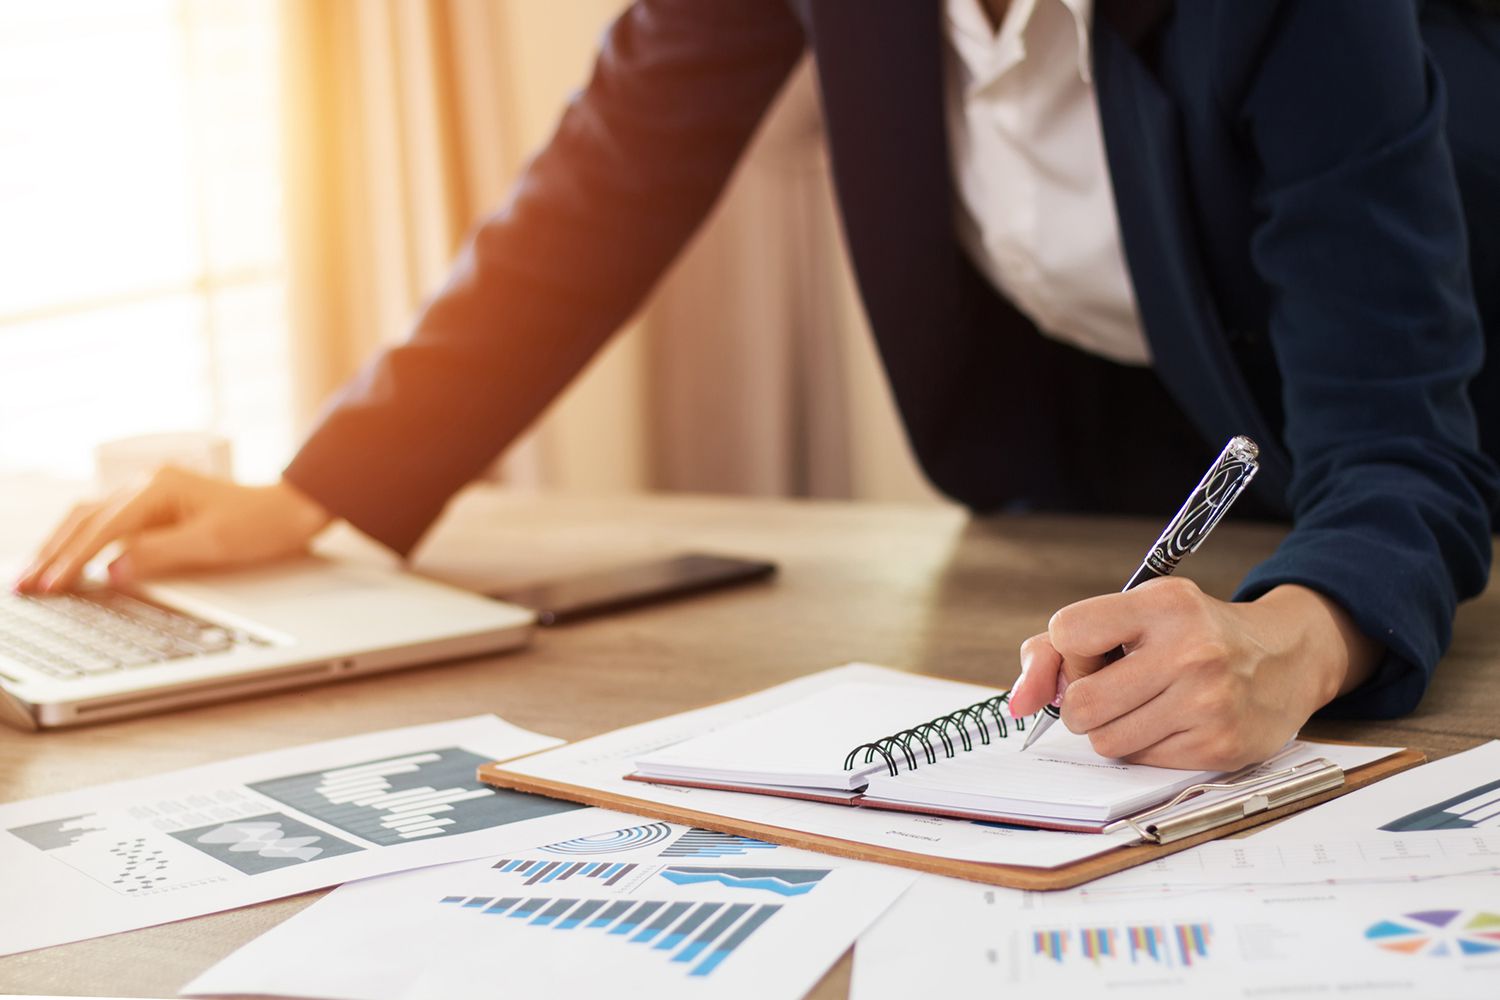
1061,778
805,743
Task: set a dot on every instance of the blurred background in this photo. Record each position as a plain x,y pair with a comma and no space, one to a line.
213,211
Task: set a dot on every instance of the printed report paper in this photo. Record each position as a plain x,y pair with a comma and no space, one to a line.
146,851
1412,917
1457,793
651,910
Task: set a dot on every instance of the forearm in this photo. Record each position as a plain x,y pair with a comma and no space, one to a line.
1320,635
1376,339
634,166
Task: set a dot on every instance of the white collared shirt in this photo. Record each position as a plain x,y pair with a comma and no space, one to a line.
1035,208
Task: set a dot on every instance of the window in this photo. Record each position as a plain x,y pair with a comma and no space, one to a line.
142,270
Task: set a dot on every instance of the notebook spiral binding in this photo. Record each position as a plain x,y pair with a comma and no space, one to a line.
929,735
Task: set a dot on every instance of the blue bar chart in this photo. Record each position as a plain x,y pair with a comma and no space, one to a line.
538,872
699,843
699,936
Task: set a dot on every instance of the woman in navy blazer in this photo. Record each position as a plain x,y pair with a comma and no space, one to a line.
1292,182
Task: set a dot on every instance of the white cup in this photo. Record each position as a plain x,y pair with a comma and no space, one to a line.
127,461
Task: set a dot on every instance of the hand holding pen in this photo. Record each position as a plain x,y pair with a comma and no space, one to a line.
1192,681
1206,506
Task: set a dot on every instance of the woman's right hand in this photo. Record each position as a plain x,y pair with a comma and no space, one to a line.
178,521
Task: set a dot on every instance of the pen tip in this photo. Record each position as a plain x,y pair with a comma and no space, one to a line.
1040,725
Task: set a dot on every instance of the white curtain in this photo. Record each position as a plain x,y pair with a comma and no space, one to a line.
750,371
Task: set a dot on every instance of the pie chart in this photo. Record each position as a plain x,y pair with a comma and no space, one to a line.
1438,933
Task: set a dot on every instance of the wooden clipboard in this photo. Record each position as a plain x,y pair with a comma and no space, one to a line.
1012,876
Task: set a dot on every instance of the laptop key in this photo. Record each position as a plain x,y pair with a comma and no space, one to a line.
213,639
78,635
93,665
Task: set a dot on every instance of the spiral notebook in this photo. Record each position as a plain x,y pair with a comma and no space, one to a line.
789,745
909,749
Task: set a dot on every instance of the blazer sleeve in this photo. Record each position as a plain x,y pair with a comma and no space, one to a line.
1361,243
632,168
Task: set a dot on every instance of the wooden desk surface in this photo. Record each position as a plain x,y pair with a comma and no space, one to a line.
923,589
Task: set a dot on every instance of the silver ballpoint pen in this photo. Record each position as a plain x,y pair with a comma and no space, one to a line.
1225,480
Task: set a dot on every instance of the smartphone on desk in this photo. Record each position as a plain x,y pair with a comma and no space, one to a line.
575,598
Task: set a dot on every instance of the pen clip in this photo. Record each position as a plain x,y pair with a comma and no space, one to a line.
1258,794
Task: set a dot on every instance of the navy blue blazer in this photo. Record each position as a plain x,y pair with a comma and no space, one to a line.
1291,218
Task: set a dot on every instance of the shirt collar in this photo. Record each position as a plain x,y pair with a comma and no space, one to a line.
1083,21
1005,47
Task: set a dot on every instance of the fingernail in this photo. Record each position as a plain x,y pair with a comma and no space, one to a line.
121,571
50,581
1062,685
1027,658
1010,704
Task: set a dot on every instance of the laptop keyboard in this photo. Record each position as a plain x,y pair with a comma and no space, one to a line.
69,636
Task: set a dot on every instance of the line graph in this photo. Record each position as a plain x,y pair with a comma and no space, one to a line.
781,881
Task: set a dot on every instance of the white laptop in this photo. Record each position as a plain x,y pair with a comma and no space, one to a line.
101,654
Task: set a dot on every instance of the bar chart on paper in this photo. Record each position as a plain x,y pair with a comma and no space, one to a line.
627,875
400,799
541,872
550,922
696,936
692,916
698,843
1477,808
1143,946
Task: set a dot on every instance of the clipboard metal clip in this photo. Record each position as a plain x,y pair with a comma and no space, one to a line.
1259,793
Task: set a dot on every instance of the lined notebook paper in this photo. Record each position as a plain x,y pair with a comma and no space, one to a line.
804,744
800,749
1060,778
